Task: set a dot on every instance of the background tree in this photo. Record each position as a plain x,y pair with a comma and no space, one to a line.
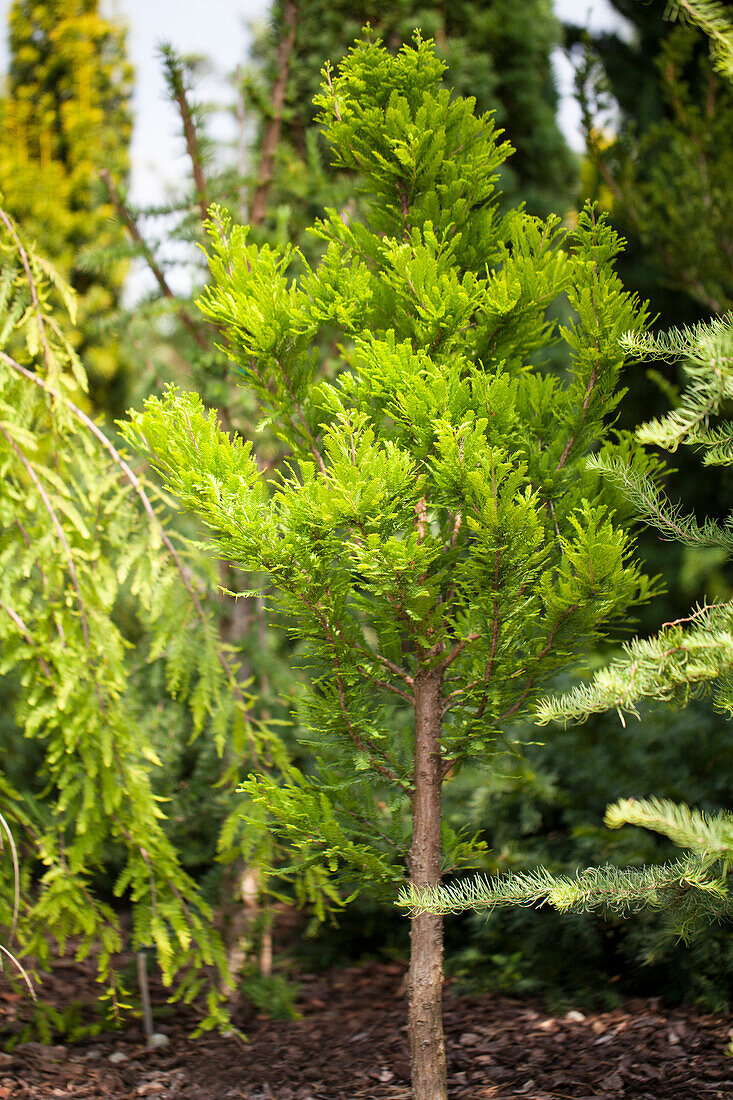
656,140
432,536
98,600
64,116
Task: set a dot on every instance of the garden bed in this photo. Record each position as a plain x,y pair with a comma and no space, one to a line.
351,1043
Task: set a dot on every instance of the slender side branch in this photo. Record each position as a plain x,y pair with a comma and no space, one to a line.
301,416
385,684
542,653
40,320
271,135
388,664
458,650
369,822
59,531
452,699
132,228
363,746
29,638
583,411
173,64
463,743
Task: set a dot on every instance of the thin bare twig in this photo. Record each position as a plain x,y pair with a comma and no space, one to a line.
16,876
273,127
21,970
126,217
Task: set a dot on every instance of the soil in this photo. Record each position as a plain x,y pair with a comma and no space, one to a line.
350,1044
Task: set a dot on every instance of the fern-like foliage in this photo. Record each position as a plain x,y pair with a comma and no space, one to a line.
85,548
714,19
707,351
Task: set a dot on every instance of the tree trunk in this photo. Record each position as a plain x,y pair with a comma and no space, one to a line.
425,1017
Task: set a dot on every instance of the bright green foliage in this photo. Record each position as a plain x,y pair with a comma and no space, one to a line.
714,19
64,116
497,51
84,549
686,658
435,511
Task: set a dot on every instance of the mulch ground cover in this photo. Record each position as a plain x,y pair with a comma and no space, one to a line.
351,1044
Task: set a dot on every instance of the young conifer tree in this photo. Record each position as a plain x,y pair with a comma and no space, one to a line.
435,537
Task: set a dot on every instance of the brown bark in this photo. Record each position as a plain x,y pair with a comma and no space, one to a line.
131,225
425,983
191,138
271,135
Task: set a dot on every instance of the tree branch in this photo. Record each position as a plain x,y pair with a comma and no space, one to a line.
365,746
131,225
458,650
30,640
542,653
301,416
175,69
271,135
27,466
32,287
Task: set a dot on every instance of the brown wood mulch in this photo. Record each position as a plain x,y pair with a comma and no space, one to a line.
350,1044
